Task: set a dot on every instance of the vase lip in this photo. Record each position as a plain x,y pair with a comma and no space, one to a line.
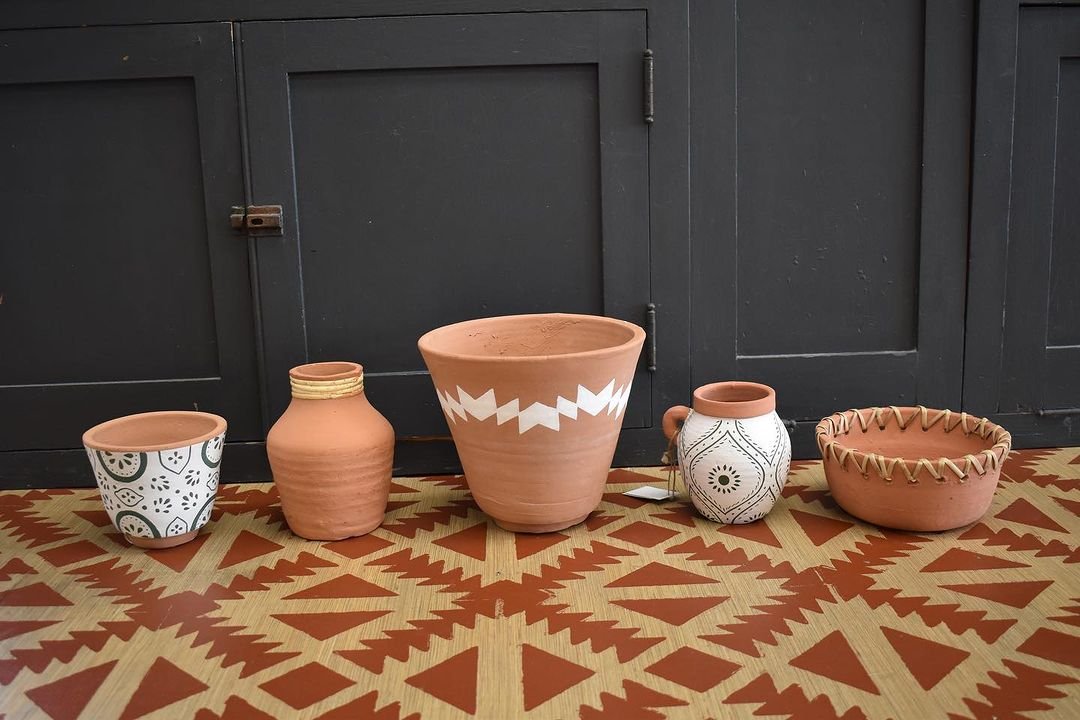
153,431
429,344
327,371
736,399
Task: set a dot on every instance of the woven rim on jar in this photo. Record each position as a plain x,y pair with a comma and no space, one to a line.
940,469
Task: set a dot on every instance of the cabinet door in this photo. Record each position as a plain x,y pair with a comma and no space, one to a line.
122,287
1024,312
829,225
435,169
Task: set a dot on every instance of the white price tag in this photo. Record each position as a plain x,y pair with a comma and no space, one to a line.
648,492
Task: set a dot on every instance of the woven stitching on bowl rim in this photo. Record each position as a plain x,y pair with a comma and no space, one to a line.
980,463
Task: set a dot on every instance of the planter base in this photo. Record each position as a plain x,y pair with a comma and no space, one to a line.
328,537
160,543
533,528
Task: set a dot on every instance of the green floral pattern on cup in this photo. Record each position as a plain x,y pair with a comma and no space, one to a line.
159,494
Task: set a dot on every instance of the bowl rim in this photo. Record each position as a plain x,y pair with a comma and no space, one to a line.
426,347
220,426
940,469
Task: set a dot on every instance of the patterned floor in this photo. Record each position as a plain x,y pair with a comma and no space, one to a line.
645,611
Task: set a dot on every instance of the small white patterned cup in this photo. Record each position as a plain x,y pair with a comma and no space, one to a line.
158,473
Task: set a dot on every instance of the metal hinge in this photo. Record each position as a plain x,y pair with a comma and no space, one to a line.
256,219
650,107
650,337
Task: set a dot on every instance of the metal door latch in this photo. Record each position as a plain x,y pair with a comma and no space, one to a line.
650,337
256,219
650,89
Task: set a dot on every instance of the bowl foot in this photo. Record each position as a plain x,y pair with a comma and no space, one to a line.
323,535
539,527
160,543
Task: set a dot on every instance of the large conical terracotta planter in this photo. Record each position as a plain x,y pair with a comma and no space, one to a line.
535,404
331,453
912,468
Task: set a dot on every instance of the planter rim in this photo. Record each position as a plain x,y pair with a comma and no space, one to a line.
327,370
738,399
840,424
219,425
428,342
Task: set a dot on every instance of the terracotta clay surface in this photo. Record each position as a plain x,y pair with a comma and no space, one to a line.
331,454
734,451
644,611
535,405
158,473
912,468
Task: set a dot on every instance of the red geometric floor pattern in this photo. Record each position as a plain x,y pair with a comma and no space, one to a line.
644,611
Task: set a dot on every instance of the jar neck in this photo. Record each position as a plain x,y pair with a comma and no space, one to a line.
304,389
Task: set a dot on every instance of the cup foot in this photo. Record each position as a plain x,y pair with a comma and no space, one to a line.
538,527
324,535
160,543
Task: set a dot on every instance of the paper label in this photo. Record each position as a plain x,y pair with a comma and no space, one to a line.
648,492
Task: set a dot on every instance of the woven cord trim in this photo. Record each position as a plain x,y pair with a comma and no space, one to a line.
941,469
326,389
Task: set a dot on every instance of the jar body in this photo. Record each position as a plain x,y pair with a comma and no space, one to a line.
332,459
734,468
733,450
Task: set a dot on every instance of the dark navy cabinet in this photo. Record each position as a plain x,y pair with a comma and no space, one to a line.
1023,316
860,202
436,169
430,167
829,215
121,287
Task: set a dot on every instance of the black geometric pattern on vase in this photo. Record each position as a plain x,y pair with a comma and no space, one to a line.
158,494
175,460
176,527
193,476
132,523
203,516
122,466
160,482
724,479
211,451
128,497
734,469
99,474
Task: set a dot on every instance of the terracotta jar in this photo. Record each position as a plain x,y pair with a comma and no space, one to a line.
158,473
912,468
331,453
734,451
535,404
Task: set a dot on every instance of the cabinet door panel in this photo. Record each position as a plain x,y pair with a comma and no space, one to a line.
1041,345
435,169
122,288
829,228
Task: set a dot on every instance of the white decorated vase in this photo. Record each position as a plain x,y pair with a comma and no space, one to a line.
158,473
734,451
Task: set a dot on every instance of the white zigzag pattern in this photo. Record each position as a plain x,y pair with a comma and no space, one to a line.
484,406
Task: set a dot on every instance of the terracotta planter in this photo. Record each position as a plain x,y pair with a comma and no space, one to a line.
331,453
535,405
912,468
734,451
158,473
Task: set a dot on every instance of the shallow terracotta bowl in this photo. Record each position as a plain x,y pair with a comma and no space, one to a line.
157,473
912,468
